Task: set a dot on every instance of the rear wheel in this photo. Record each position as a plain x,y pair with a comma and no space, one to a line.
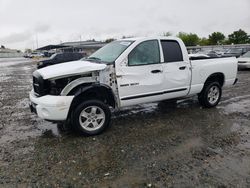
91,117
210,95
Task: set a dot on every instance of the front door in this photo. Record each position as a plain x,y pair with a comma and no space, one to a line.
142,78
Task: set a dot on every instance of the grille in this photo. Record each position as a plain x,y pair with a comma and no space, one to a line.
36,85
41,87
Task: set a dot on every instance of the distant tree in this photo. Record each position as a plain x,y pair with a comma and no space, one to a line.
2,47
126,37
216,38
226,41
109,40
203,42
189,39
238,37
167,34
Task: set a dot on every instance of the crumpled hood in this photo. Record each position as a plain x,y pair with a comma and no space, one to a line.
70,68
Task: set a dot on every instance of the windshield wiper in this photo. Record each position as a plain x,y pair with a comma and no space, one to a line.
97,60
94,58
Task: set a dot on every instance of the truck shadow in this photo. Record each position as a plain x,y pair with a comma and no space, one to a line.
126,116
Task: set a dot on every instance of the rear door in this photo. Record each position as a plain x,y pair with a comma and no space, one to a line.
72,57
66,57
142,78
177,72
59,58
77,56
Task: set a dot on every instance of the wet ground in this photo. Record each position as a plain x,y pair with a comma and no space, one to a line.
150,145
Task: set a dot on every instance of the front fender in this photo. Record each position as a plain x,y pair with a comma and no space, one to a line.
76,83
96,91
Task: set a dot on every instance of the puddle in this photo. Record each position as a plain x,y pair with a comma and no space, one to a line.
48,129
155,107
144,108
23,130
242,106
4,77
11,62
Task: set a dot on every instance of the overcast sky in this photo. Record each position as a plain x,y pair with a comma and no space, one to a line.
56,21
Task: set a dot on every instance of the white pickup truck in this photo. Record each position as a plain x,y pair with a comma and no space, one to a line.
124,73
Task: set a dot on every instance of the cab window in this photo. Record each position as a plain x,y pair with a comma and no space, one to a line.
145,53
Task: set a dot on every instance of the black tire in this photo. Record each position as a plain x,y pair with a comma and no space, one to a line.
85,109
204,97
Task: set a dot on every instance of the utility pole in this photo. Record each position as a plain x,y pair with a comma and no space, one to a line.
36,41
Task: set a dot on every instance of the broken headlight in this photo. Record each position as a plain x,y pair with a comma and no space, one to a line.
56,86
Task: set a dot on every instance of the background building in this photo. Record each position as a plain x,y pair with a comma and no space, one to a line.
86,47
5,52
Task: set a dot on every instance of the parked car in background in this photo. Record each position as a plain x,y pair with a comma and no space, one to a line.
244,61
33,55
213,54
60,58
220,52
234,52
36,55
48,53
209,53
26,55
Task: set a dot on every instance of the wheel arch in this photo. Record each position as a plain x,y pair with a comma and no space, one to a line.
215,77
97,91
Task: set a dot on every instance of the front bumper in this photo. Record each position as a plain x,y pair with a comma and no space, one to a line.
54,108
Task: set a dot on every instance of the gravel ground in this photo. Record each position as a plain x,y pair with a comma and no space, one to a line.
149,145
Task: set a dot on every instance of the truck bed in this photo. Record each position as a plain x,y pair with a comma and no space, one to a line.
202,68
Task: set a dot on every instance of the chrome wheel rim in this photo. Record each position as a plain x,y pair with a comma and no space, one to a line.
92,118
213,94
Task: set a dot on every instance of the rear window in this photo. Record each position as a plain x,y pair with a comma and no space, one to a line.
172,51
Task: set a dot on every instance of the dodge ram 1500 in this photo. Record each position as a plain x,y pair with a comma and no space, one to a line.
124,73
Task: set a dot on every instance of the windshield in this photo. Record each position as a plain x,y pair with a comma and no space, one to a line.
246,54
54,55
110,52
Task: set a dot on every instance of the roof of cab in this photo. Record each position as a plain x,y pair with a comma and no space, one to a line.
149,38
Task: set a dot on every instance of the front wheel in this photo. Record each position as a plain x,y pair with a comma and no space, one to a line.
91,117
210,95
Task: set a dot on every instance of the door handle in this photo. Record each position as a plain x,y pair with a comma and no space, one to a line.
156,71
183,68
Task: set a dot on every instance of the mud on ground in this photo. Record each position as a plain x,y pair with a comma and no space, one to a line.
149,145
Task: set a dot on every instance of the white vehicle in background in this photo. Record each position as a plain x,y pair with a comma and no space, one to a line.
125,73
36,55
198,56
220,52
244,61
